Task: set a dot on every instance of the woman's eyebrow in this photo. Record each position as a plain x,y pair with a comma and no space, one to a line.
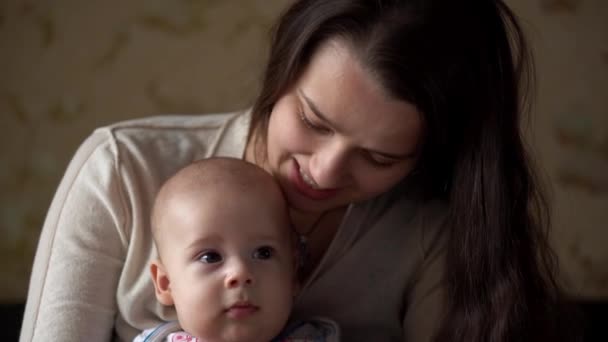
393,156
314,108
323,118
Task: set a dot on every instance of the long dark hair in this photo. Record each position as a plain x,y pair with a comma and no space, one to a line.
467,68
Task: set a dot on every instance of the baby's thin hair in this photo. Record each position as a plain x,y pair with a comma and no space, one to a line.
219,172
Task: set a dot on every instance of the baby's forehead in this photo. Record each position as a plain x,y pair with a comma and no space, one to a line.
225,175
223,185
228,224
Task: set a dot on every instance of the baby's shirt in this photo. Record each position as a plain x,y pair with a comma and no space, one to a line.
169,332
314,330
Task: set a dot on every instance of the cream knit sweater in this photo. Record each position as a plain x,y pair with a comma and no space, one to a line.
379,279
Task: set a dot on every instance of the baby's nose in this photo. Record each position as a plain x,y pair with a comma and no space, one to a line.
240,275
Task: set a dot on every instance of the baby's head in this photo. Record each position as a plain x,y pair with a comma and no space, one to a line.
226,252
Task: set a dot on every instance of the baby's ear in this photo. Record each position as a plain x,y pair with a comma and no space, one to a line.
161,283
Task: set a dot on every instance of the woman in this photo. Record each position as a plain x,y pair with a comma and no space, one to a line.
393,129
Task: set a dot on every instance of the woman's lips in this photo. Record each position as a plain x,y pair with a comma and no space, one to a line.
241,310
306,190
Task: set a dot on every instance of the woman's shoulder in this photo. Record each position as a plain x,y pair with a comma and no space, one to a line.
207,131
131,159
167,140
175,121
408,215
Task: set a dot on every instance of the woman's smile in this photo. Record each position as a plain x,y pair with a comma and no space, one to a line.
306,186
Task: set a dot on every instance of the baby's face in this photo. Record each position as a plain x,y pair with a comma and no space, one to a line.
230,264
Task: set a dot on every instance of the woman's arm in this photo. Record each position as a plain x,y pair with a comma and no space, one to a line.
80,252
424,309
425,300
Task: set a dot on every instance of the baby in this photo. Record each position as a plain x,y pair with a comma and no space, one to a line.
227,260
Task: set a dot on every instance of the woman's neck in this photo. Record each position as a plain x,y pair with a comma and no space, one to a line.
309,223
316,231
302,221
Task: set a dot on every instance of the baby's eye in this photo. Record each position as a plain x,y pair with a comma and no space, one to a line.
264,252
210,257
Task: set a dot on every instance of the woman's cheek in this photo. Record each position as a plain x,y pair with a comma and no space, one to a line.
293,136
374,181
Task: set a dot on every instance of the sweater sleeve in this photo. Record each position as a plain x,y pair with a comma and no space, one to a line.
425,304
80,252
423,314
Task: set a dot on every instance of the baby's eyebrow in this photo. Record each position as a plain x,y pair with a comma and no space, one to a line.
267,238
204,240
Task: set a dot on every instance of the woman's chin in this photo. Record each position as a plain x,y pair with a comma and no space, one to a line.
307,207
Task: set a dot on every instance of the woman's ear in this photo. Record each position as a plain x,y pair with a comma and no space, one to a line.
161,283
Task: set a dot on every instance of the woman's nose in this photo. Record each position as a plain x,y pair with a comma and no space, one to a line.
328,165
239,275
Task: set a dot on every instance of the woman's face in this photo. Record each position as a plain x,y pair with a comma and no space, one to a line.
337,137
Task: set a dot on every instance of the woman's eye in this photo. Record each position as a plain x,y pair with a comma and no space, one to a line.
265,252
210,257
311,125
379,160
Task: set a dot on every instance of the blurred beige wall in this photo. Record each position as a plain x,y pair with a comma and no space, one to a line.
69,66
570,41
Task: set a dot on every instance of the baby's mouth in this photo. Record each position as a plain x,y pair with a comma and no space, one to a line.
241,309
